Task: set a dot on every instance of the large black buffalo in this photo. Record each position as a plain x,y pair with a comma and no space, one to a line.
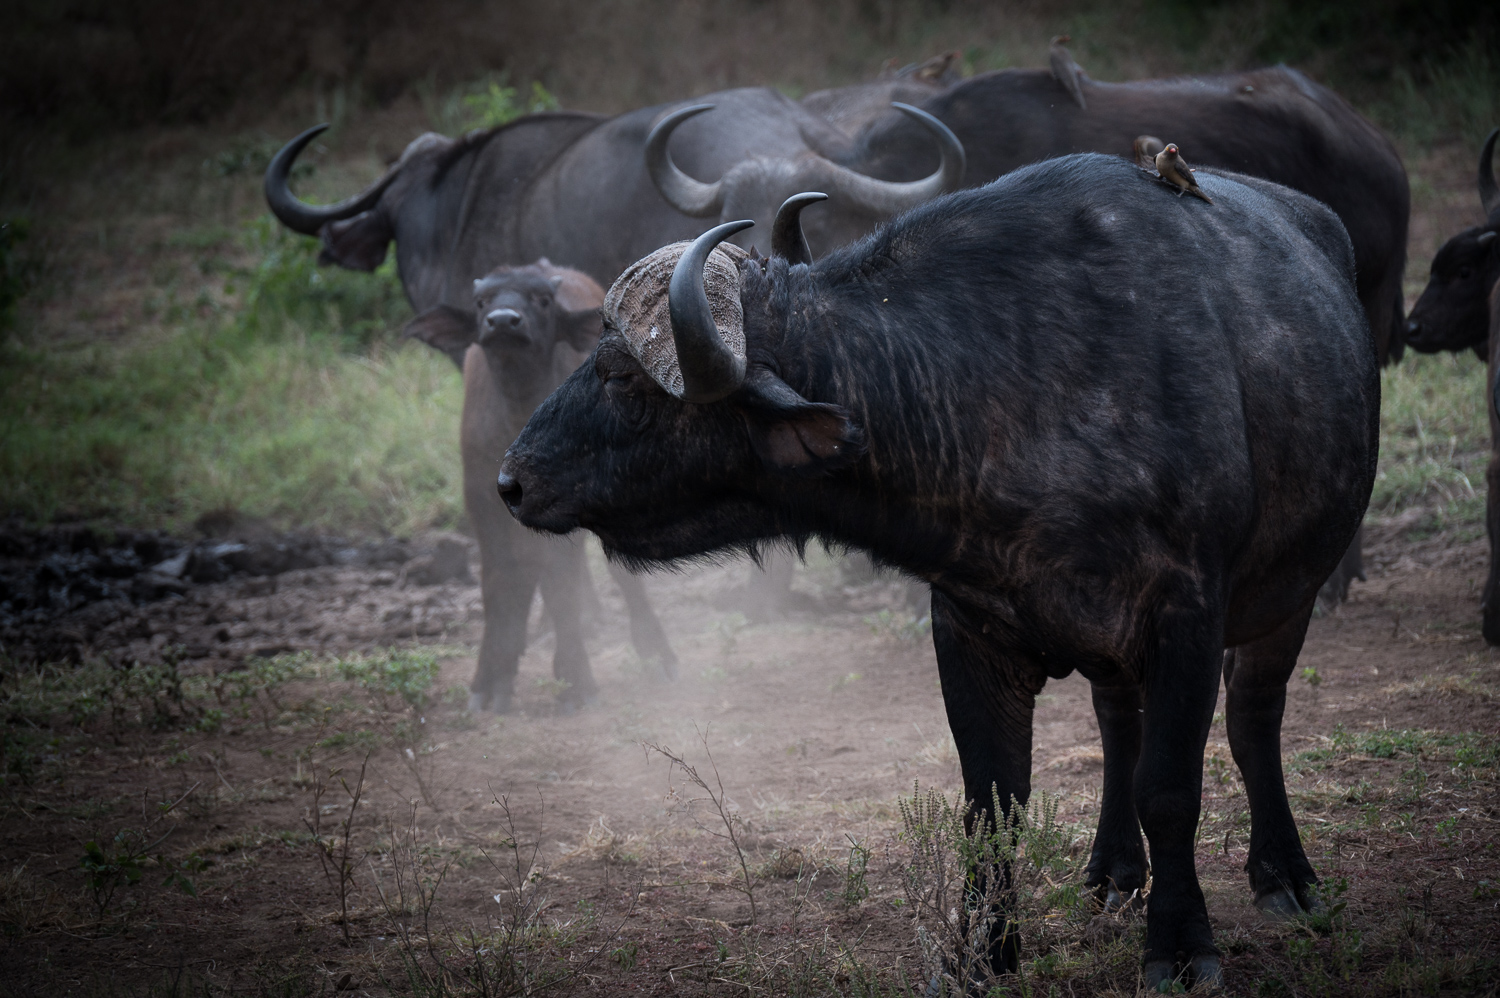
1453,312
1460,310
1117,431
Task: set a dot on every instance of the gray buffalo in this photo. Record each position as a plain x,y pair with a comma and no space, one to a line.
527,329
575,188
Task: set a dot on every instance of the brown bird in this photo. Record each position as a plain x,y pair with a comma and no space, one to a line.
1174,169
1065,70
1146,148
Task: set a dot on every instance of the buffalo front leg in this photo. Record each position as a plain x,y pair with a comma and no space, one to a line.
646,632
989,701
562,583
1181,687
1489,605
506,587
1117,863
1255,677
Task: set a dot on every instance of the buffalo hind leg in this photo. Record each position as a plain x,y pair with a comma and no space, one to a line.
562,582
1117,863
1181,686
506,588
1255,677
989,702
646,632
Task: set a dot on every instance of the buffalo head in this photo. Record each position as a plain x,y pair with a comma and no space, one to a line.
1453,312
519,313
676,368
751,186
357,231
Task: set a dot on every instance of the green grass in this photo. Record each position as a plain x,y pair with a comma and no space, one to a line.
1434,441
296,403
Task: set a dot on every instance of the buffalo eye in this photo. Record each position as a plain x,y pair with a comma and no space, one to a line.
544,301
1464,273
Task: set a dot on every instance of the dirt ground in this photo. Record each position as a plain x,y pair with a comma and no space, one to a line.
816,723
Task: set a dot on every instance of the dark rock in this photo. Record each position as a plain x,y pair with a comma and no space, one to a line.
449,560
151,586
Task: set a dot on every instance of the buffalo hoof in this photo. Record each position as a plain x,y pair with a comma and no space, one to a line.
1280,905
1160,975
1207,971
1114,901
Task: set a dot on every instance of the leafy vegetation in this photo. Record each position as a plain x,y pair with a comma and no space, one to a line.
291,401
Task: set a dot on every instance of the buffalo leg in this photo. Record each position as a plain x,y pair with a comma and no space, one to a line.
561,585
1117,863
1489,606
646,632
1182,686
506,587
1255,677
989,702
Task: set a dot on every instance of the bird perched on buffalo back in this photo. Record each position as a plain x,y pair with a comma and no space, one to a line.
1174,169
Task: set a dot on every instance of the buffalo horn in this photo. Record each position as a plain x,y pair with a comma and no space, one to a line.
787,239
299,216
1489,195
884,197
689,196
710,370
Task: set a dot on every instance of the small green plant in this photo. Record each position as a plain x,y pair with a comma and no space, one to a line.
625,956
728,627
108,868
855,889
844,680
1310,675
904,627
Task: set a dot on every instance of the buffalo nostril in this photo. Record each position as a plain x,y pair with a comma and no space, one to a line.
1413,328
510,491
503,317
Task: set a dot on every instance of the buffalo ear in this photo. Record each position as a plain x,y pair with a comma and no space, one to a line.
581,329
791,434
357,243
446,329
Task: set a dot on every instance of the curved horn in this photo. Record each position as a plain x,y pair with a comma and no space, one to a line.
689,196
787,239
885,197
1489,196
299,216
710,371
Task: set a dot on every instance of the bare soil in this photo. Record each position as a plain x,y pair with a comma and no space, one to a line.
815,722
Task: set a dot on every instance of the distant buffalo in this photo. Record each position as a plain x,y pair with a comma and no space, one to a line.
526,329
575,188
1453,312
1117,431
1460,310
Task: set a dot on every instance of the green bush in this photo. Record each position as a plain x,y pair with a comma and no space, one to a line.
297,405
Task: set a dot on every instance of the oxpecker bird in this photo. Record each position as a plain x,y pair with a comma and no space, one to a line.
1065,70
1174,169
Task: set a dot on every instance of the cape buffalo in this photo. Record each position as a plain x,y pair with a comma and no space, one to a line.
851,108
1460,309
1453,312
527,329
1273,123
574,188
1117,431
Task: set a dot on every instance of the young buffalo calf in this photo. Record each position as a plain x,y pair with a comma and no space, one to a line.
531,326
